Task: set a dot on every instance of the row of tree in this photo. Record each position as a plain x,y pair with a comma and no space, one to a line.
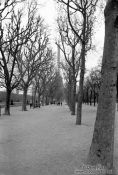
26,58
76,25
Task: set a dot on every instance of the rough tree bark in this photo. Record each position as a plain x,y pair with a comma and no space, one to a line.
102,147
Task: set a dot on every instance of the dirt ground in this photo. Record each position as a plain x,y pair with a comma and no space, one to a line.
46,141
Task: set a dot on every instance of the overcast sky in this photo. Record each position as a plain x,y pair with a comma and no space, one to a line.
49,13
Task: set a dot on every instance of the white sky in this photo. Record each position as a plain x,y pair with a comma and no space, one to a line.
49,13
48,10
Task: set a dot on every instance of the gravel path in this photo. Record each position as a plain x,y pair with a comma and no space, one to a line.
45,141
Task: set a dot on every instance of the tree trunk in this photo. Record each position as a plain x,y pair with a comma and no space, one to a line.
73,82
80,93
102,146
24,103
73,102
7,104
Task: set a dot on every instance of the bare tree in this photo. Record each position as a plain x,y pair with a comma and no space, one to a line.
69,41
102,146
85,12
33,57
6,8
47,80
13,37
43,78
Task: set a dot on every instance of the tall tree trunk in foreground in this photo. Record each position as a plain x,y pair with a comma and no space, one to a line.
102,147
7,103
